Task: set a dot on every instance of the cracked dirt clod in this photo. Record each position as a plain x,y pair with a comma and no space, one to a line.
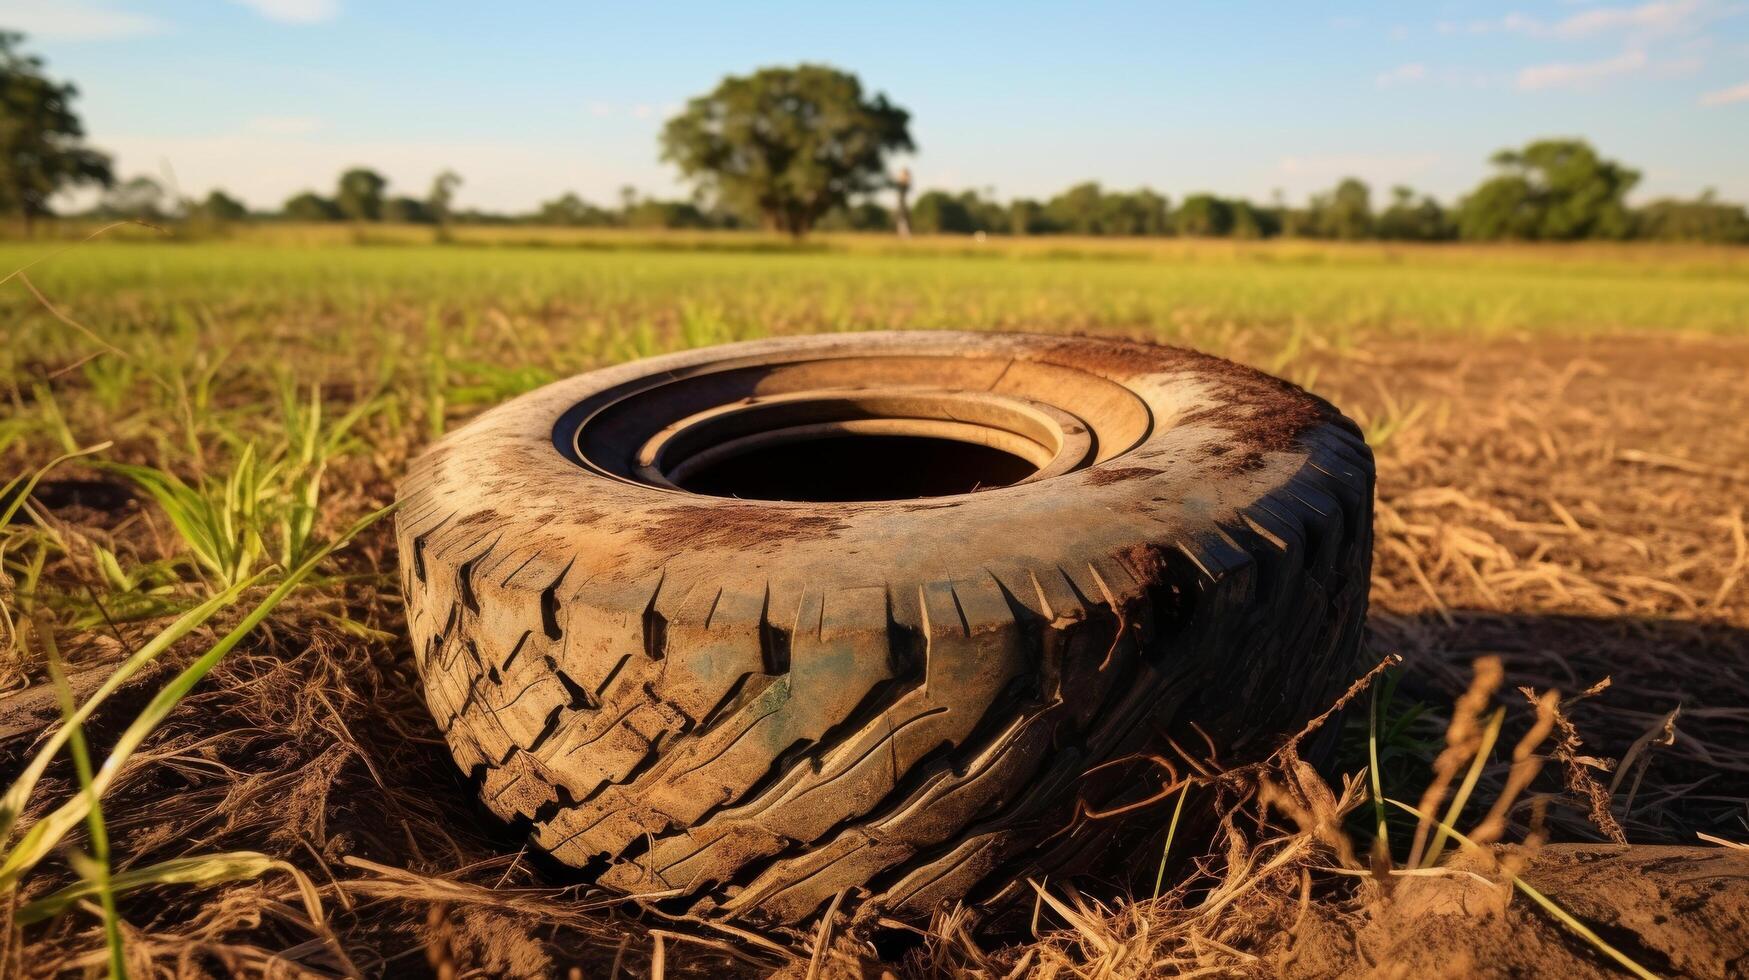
758,704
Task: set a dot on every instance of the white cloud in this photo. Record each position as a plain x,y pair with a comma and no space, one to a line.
1661,17
1581,74
295,11
1646,20
71,20
1516,23
1402,75
282,125
1726,96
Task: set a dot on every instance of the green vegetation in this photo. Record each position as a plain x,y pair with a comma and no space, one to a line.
1540,195
42,146
1550,190
620,297
786,144
30,618
234,372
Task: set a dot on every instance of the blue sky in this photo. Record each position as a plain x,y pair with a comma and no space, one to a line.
527,100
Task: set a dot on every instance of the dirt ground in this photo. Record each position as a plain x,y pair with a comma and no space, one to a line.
1578,508
1574,507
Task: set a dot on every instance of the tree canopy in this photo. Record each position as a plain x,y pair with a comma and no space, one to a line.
1344,213
786,144
220,208
966,213
1555,190
1088,209
42,148
441,197
310,206
1704,219
1204,216
1411,220
360,194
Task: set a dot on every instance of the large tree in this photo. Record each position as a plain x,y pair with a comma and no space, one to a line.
42,149
1704,219
1557,190
941,213
440,200
1204,216
1411,220
1344,213
1088,209
220,208
360,194
310,206
787,144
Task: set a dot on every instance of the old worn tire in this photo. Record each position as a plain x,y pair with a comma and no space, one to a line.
751,705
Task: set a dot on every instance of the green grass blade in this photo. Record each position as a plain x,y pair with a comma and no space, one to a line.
192,517
1372,753
202,870
18,794
17,500
1561,915
1171,831
1489,735
95,871
44,835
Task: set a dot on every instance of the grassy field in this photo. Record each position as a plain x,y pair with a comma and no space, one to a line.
477,321
1561,457
681,287
440,330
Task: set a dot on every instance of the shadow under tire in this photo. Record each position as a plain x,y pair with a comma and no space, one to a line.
982,571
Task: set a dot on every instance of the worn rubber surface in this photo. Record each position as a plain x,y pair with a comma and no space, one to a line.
749,706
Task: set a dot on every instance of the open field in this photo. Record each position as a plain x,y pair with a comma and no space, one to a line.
1562,456
687,286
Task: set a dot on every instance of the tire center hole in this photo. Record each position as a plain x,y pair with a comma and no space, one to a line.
857,466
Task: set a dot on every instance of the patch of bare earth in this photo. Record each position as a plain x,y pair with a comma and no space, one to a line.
1578,509
1573,508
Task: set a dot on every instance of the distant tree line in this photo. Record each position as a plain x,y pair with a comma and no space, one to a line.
363,195
1551,190
794,149
804,147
